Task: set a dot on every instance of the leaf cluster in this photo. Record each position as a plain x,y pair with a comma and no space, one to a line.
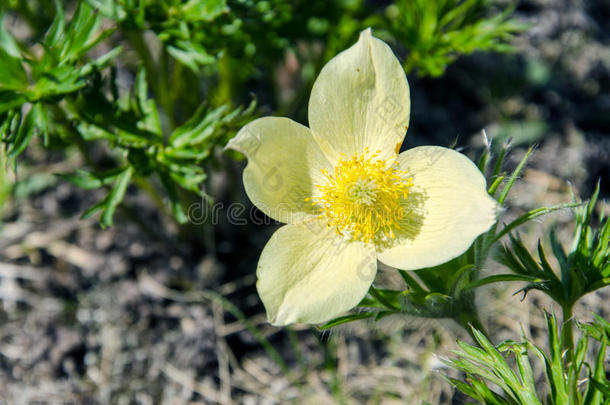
571,381
198,33
34,80
581,270
437,32
73,79
133,127
71,99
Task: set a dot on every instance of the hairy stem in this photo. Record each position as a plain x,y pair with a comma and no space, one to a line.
469,320
156,75
567,330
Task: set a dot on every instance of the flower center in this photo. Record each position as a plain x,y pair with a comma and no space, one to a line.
363,197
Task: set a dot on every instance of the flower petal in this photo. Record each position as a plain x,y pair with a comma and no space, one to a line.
308,274
360,99
284,164
449,207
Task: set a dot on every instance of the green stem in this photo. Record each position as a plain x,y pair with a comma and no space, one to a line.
567,331
139,45
177,88
156,77
165,89
145,185
224,91
467,320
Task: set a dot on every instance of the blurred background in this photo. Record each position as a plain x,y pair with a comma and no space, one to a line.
161,307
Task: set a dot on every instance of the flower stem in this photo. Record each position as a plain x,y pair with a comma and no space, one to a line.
157,73
469,320
567,330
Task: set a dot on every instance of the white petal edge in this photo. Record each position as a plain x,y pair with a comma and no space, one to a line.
308,274
361,99
455,208
284,164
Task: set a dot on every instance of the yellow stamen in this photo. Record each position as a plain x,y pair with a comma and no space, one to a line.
363,197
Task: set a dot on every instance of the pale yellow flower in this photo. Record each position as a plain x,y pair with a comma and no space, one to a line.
348,197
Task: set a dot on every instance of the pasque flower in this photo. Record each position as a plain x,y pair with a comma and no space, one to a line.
349,198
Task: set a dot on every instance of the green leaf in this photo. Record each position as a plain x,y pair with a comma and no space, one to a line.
487,366
204,10
437,32
101,61
513,177
24,134
555,367
599,385
7,42
55,33
411,282
115,197
581,270
147,106
191,55
501,367
207,127
93,210
532,214
525,257
603,388
347,318
388,298
495,184
174,200
12,73
89,180
56,81
525,368
110,8
496,278
500,159
190,181
79,36
599,329
10,99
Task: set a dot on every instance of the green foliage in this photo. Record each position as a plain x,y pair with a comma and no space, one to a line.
198,33
573,380
177,24
5,184
66,97
437,32
134,128
585,268
60,70
73,79
599,329
63,66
